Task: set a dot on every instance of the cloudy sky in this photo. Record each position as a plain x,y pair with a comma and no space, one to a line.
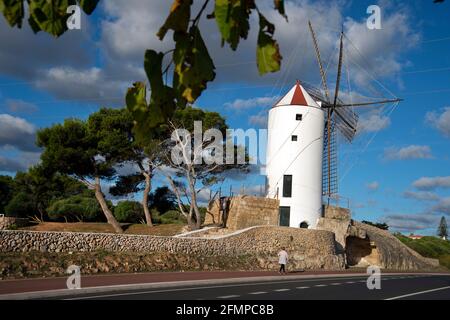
397,170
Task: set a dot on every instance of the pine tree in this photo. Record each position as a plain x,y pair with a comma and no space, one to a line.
442,229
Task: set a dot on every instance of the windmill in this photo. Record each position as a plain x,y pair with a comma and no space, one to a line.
302,153
340,117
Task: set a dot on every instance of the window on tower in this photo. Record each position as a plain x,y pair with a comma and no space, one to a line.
299,117
294,138
287,186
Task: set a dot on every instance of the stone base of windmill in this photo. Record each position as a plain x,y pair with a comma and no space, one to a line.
361,245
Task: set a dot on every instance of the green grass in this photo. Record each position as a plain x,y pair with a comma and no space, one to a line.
430,247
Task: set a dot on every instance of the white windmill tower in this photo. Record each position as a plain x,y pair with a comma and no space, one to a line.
301,164
296,123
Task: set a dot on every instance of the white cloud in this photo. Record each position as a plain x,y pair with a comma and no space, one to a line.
421,195
17,133
382,47
258,120
432,183
407,153
131,28
443,206
11,165
90,84
128,28
410,222
22,162
373,186
23,54
440,121
373,122
241,104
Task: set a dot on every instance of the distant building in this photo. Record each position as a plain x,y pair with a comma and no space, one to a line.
415,236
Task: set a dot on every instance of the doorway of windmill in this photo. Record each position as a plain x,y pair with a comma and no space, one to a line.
304,225
361,252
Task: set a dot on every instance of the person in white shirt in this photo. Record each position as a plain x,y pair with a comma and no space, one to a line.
283,260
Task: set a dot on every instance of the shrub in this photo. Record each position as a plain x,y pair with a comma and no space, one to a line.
430,247
20,206
445,261
75,208
173,217
156,216
129,211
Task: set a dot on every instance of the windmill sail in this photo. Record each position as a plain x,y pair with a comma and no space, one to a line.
340,116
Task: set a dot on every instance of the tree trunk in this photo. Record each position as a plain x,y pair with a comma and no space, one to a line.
148,186
108,214
194,206
191,224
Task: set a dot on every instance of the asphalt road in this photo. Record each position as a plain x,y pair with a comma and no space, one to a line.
395,287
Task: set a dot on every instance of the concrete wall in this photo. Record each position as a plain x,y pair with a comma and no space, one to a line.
308,249
245,212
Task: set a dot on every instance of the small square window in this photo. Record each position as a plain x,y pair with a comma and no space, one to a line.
294,138
299,117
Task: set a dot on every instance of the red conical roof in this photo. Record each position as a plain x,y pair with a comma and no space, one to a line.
297,96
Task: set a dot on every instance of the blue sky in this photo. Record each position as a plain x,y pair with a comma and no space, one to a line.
402,176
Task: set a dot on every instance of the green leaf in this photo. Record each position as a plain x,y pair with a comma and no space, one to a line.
178,19
145,117
136,98
49,16
232,17
88,6
268,52
45,15
162,96
279,5
13,11
194,67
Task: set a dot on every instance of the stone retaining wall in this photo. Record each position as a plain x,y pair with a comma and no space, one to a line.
393,254
8,222
333,212
245,212
309,249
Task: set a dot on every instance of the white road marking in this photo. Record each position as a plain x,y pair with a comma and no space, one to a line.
281,290
350,282
418,293
320,285
301,288
205,287
228,297
260,292
338,283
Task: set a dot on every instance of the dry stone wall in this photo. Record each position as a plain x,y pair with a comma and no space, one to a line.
9,222
245,212
309,249
393,254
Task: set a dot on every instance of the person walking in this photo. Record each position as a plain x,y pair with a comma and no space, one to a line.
283,260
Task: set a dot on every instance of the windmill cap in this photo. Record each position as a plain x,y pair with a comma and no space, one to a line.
297,96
